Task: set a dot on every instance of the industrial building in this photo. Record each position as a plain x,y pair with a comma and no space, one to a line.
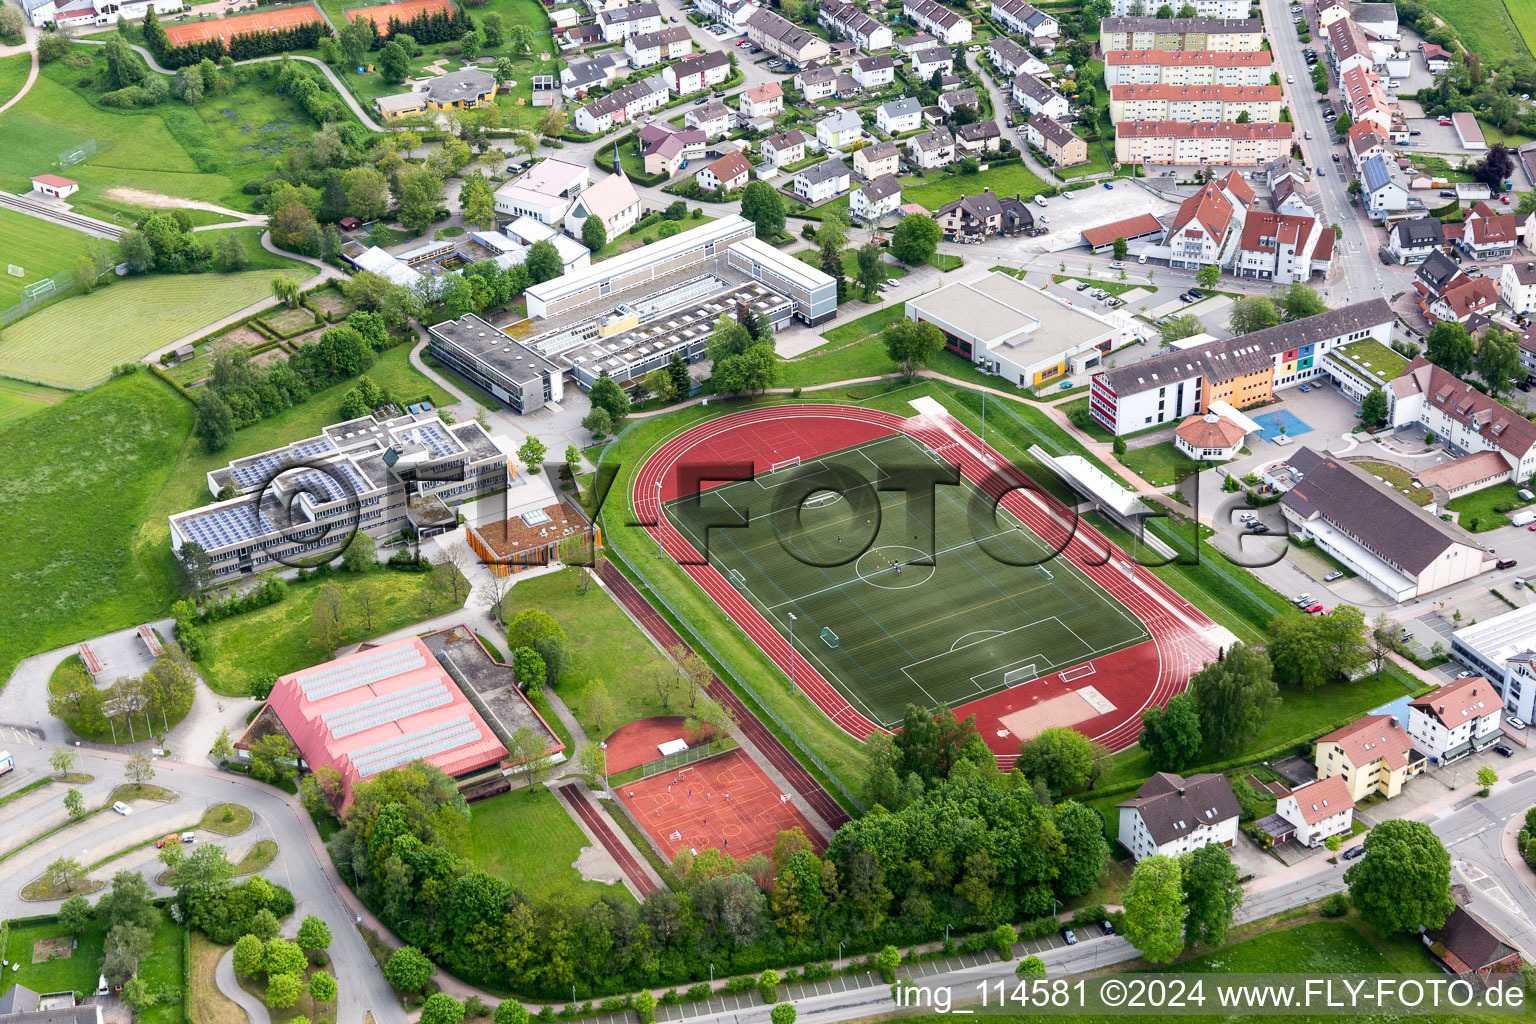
300,504
1006,327
1503,650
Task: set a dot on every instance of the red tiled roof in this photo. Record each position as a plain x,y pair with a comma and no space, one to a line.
54,180
730,167
1487,226
1322,799
1277,227
1134,227
1323,251
1210,431
1471,296
1235,184
1461,701
1209,208
1372,738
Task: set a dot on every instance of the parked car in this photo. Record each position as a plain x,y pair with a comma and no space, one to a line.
1335,158
1504,200
1505,563
1503,750
1109,186
1083,286
1414,131
1335,575
1306,135
1106,927
1445,122
1041,202
1353,852
1302,600
122,808
1515,723
1070,936
1142,258
1290,79
1313,608
1321,173
1186,297
1259,528
1197,293
1446,193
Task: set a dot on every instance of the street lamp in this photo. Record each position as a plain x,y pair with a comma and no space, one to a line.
791,654
604,745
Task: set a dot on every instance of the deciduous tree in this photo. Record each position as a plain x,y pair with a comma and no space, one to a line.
1171,737
1154,909
911,344
915,239
1234,694
1403,882
1212,894
1059,757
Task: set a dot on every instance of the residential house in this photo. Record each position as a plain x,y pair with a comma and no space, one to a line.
1365,100
1412,241
1277,247
1146,32
784,149
1205,230
875,199
947,26
1330,11
1467,944
979,137
666,149
817,83
1385,190
930,59
1373,754
714,119
791,43
933,149
1062,146
1317,810
981,216
1460,718
733,14
613,201
646,49
875,72
1038,98
698,73
1517,286
765,100
1364,142
636,19
949,102
621,106
853,24
580,76
1188,67
822,181
839,131
1025,19
877,160
729,173
1469,301
1348,48
544,191
1464,419
1171,815
899,116
1261,103
1377,21
1488,235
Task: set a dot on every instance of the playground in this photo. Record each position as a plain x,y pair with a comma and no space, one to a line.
725,802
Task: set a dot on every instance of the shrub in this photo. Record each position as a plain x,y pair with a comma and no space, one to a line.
1336,905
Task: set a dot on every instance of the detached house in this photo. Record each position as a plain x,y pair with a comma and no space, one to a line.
729,173
949,102
620,23
1278,247
763,101
1458,719
648,48
821,181
839,131
1517,285
665,148
1062,147
877,161
1038,98
784,149
947,26
1025,19
1202,232
979,137
1412,241
1172,815
927,60
874,72
1372,755
1488,235
1386,193
978,217
875,199
696,74
899,116
817,83
1315,812
1466,944
1008,56
933,148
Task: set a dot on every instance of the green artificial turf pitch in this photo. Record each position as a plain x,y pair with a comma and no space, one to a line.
993,608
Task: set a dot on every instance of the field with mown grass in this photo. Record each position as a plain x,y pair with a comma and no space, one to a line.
1006,179
1492,28
40,248
527,838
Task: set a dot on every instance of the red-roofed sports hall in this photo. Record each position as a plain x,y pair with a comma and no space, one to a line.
1080,636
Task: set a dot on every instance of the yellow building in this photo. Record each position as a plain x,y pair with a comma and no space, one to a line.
1374,754
460,90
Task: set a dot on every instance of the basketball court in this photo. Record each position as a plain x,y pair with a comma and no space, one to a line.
725,803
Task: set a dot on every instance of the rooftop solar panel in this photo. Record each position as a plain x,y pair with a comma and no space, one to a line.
422,743
389,708
364,671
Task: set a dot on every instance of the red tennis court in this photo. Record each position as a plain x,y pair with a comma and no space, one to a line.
405,10
241,24
636,744
725,803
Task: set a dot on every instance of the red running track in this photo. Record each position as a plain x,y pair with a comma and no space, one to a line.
583,809
794,773
1132,680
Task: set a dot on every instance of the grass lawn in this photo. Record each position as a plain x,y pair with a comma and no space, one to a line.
1479,506
945,262
1011,178
1488,29
866,326
239,820
527,838
305,1009
604,644
79,574
1375,358
1159,464
78,972
1401,480
13,75
39,247
19,399
1112,287
209,1005
276,638
865,358
120,323
262,853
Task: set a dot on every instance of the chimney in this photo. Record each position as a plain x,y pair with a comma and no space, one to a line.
1181,791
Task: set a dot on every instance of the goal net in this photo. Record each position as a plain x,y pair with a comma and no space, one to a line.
828,637
78,153
1019,675
774,467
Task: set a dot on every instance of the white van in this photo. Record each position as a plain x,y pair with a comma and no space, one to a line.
1040,201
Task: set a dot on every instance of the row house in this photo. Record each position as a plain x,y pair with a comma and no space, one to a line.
926,60
874,72
620,23
1027,20
714,119
933,149
822,181
1348,48
1062,146
817,84
1261,103
1487,235
1038,98
979,137
1223,9
877,161
1365,99
839,130
1184,143
763,101
727,174
698,73
790,43
622,106
1150,33
1281,248
854,25
646,49
784,149
947,26
1188,67
1330,11
875,199
899,116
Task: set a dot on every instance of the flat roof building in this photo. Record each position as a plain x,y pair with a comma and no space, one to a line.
1006,327
514,373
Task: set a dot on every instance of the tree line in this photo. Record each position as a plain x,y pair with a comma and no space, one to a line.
241,46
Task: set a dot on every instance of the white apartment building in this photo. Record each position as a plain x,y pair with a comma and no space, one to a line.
874,72
947,26
620,23
875,199
1188,67
1318,810
1171,815
649,48
899,116
1458,719
1462,417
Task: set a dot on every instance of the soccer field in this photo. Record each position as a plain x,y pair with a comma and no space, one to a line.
892,603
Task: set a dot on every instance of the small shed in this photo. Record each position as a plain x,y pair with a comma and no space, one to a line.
55,186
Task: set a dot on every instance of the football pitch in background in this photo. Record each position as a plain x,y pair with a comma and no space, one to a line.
894,602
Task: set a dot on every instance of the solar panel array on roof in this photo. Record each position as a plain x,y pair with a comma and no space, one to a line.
261,469
222,527
388,708
431,437
435,739
363,671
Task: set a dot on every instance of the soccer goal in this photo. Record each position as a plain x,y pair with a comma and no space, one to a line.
828,637
1019,675
774,467
77,153
15,271
738,579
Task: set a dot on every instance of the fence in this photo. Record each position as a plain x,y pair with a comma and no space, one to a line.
693,636
38,293
672,762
